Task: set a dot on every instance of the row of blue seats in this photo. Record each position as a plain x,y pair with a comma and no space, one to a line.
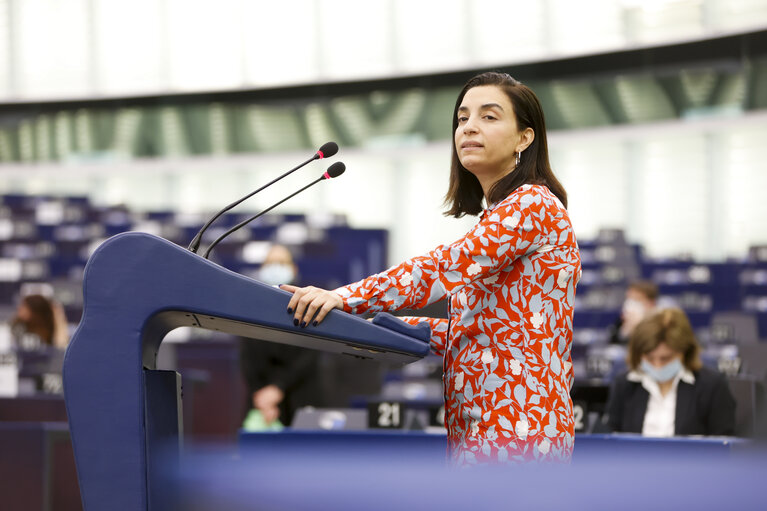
47,251
33,248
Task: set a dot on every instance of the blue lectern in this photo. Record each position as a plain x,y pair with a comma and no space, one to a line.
137,288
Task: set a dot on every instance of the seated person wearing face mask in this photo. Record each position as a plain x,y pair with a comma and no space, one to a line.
640,302
278,267
279,378
667,390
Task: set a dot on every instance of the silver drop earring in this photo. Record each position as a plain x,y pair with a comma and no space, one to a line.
519,157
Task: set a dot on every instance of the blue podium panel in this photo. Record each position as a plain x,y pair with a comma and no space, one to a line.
138,287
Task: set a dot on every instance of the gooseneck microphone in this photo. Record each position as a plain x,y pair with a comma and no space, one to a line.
327,150
334,170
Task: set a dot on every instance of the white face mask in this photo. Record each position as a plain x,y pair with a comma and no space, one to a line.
634,311
275,274
634,308
664,373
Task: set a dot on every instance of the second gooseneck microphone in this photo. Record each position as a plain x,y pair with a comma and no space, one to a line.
334,170
327,150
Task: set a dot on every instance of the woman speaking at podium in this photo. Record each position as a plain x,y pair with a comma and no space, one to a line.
510,283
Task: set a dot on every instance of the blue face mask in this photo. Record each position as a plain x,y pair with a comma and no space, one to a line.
661,374
275,274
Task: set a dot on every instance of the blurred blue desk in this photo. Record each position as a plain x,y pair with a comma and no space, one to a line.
370,470
373,443
627,444
432,446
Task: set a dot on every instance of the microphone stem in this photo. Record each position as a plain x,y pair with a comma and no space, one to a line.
245,222
195,244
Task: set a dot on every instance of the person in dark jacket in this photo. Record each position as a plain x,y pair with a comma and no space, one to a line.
279,378
667,391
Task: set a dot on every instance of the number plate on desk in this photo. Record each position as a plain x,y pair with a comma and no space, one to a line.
386,415
9,375
437,416
580,416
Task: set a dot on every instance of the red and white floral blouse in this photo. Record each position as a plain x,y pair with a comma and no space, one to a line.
510,282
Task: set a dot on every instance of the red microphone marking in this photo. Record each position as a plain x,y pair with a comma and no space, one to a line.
326,175
321,155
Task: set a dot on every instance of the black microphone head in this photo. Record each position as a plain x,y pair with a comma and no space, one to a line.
335,170
327,150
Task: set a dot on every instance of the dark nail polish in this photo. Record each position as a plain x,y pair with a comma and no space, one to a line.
290,310
303,324
295,322
315,323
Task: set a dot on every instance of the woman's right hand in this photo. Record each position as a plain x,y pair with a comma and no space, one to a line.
308,301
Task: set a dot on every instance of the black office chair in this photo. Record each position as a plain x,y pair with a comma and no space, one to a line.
734,327
749,406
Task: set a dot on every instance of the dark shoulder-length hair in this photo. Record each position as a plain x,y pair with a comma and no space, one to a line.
464,196
41,321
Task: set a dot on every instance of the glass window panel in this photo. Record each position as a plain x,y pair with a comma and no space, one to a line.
737,14
493,40
365,192
205,44
130,52
431,35
746,208
275,128
53,49
319,125
355,38
227,179
580,27
7,153
419,225
673,195
5,50
595,180
579,104
281,42
643,99
666,20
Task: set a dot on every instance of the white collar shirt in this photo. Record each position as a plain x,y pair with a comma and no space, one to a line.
660,416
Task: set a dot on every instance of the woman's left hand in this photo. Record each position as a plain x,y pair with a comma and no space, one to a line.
308,301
